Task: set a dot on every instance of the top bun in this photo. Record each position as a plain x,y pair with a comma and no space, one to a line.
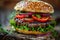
34,6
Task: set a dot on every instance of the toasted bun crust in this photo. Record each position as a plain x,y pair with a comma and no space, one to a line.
36,6
29,32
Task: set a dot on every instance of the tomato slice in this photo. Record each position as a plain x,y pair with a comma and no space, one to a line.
20,16
43,19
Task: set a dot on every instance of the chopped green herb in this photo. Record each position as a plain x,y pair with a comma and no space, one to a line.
54,33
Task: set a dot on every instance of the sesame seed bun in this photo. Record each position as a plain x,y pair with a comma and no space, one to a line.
36,6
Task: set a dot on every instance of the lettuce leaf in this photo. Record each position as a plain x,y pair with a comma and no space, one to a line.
38,16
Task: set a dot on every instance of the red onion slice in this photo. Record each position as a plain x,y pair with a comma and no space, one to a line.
45,14
30,13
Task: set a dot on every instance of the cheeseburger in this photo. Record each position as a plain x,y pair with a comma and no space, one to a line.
33,17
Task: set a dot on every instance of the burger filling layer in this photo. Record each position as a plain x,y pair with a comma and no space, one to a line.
33,21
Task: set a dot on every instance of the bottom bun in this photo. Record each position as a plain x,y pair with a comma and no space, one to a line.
30,32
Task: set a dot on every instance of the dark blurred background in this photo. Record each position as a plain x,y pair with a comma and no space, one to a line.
7,6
